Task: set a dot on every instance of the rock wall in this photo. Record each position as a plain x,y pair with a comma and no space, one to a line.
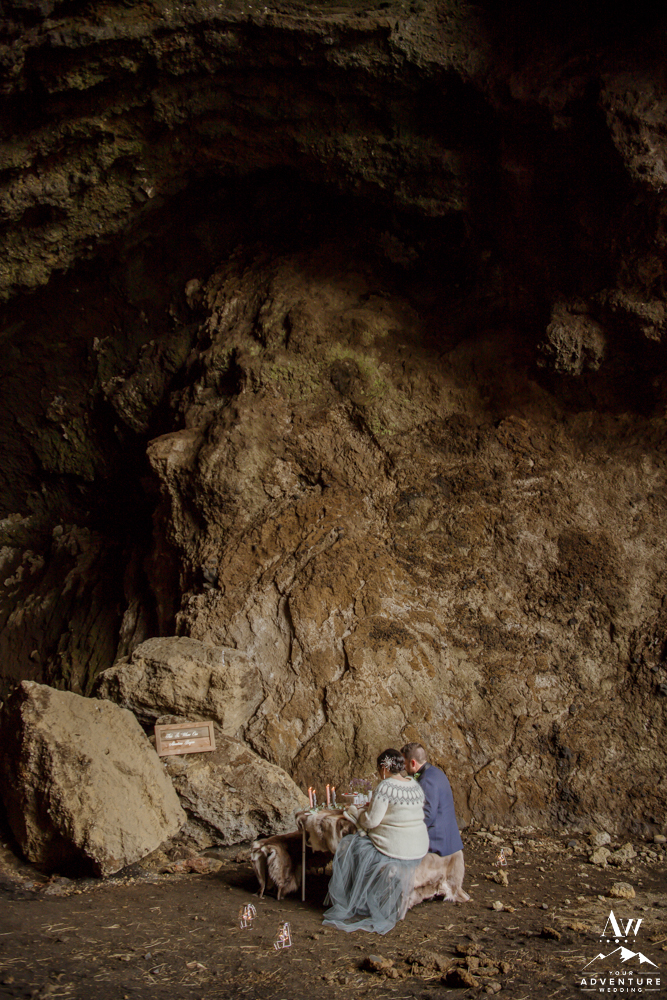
408,545
344,349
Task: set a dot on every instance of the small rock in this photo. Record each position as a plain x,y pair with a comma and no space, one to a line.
378,963
154,861
624,853
468,949
429,960
493,986
599,839
497,905
573,844
492,838
458,978
600,856
622,890
58,887
179,851
659,838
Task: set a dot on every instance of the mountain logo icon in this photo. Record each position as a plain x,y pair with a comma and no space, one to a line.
624,955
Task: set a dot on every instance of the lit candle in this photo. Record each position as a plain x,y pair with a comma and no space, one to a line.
328,797
333,795
314,798
310,796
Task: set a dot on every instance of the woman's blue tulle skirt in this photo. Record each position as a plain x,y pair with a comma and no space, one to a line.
368,891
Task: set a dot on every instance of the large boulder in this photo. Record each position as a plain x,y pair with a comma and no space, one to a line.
184,677
82,786
231,794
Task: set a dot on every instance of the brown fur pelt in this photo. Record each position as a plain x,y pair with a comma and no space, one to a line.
325,830
437,876
277,861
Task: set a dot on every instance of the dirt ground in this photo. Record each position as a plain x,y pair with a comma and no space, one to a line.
143,934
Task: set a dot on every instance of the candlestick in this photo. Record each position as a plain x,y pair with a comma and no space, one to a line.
310,796
333,795
328,797
314,798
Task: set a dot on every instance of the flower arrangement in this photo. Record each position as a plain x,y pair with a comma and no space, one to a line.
360,785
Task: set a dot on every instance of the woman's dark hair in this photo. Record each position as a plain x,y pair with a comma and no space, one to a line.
391,760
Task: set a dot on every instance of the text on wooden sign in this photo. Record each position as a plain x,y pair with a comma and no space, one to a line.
190,737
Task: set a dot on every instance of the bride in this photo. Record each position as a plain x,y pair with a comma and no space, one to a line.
374,869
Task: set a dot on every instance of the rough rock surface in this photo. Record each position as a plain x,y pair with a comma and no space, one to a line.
405,551
82,786
230,794
184,677
60,605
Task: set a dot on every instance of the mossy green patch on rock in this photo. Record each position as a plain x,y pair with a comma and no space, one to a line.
374,383
299,378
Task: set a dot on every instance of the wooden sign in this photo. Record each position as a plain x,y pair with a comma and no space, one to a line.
189,737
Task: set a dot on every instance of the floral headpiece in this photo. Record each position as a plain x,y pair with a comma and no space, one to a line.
386,763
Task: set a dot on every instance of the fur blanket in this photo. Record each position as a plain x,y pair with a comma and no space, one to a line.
325,830
437,876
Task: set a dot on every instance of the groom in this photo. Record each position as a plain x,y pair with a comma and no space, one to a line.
439,815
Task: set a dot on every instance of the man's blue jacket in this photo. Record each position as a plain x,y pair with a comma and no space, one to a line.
439,815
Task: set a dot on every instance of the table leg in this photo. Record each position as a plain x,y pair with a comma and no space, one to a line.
303,864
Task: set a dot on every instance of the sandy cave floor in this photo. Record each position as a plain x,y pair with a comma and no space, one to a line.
142,934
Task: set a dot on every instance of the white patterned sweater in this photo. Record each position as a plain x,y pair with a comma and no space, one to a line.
394,820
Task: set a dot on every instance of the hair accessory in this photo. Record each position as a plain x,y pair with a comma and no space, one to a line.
386,763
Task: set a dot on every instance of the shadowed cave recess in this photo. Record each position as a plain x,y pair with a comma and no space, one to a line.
334,334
